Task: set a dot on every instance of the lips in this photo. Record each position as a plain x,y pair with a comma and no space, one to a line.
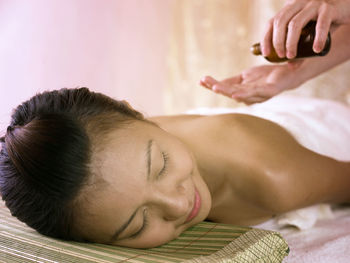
196,206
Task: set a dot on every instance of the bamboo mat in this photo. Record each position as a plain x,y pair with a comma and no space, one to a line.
205,242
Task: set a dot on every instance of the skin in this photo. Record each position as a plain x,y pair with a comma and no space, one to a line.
283,30
242,177
260,83
164,198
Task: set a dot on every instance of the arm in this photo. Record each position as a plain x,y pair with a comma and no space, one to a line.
264,173
291,176
260,83
298,177
309,178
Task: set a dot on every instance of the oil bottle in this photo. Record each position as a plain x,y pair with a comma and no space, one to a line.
304,49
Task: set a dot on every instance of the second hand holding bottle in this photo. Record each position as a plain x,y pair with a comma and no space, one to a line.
304,49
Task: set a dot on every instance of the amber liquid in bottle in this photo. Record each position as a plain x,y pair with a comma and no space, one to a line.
304,49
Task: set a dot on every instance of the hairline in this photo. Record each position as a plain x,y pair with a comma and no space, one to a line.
94,180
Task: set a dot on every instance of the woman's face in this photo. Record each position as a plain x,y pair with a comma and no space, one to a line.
153,189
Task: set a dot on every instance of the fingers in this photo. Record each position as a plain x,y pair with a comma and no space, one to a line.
296,24
244,87
208,82
283,30
323,25
246,93
225,89
280,23
223,86
233,80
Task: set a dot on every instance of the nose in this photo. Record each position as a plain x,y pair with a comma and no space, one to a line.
174,203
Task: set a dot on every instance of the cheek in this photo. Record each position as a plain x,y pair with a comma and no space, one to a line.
183,159
204,192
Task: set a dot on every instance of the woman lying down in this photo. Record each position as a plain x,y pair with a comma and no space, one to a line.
79,165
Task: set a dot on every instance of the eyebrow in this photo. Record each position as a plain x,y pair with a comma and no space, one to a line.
127,223
148,156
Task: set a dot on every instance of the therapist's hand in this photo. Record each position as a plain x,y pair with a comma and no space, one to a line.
283,30
257,84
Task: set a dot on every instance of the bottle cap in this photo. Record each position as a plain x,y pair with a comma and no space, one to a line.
256,49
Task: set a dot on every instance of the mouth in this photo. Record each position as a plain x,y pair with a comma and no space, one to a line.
196,206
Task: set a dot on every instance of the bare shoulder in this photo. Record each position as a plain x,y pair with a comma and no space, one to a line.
248,128
260,163
228,132
212,122
273,164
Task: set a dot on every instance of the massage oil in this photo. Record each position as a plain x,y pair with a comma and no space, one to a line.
304,49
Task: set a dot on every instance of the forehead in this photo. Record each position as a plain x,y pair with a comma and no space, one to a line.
122,166
125,150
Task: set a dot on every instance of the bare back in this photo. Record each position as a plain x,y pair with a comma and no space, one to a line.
255,169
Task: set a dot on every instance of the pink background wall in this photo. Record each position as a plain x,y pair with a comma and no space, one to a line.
115,47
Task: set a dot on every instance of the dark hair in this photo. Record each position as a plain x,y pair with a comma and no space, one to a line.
45,155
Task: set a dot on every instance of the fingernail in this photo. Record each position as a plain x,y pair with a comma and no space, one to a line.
290,55
317,49
267,51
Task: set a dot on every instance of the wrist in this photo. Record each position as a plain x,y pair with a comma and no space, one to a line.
308,69
296,73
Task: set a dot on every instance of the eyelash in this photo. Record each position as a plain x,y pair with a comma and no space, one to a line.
164,169
144,225
145,218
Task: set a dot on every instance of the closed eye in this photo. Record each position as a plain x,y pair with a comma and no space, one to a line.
144,226
165,166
